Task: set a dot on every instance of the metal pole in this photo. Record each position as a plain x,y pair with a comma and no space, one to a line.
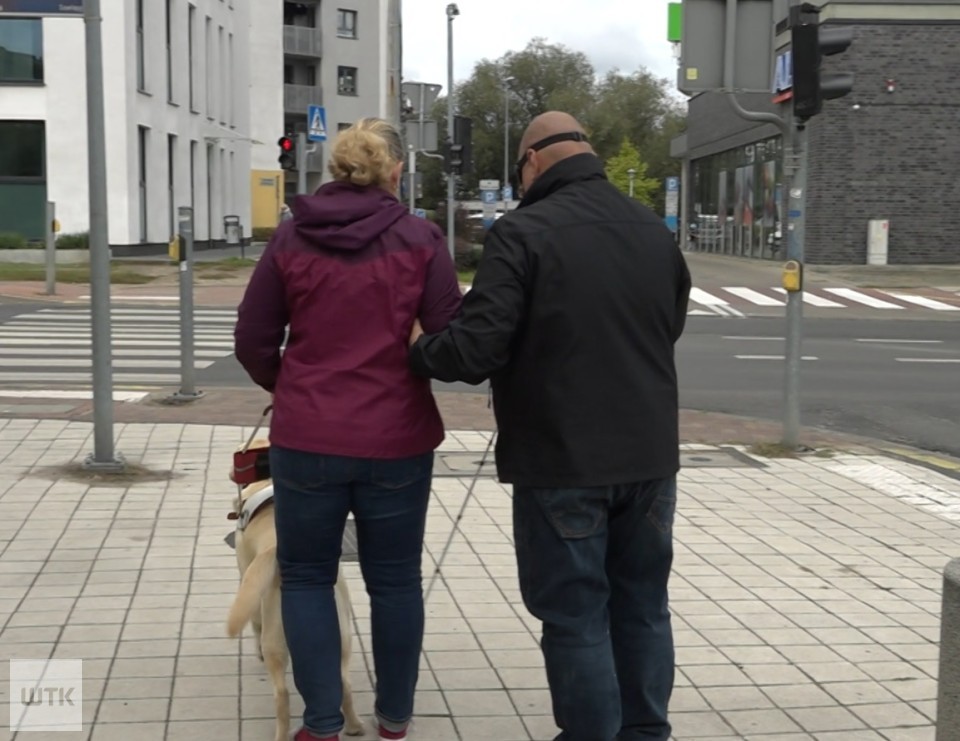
103,458
451,177
413,179
301,163
51,254
188,382
793,197
506,142
796,200
685,203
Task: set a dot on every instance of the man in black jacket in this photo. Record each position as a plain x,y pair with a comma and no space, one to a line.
578,301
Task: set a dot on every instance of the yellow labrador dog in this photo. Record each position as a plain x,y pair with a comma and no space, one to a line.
258,601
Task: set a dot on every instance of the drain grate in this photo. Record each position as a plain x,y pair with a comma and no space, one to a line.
717,458
463,464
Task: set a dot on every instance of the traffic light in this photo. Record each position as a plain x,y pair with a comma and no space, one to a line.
459,159
810,43
288,153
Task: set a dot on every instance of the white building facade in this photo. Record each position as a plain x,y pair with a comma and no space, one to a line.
335,54
176,83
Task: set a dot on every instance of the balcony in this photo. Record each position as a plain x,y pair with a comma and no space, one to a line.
298,98
301,41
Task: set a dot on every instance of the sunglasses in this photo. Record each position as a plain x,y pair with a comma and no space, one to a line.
571,136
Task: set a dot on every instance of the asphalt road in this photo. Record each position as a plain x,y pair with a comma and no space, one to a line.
892,380
896,380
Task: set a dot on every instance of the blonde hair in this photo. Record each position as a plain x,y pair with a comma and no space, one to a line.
366,153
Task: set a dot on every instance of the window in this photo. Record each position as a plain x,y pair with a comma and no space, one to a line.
208,47
347,80
224,76
22,149
141,56
191,23
300,14
288,74
142,161
231,119
347,24
171,183
169,22
21,50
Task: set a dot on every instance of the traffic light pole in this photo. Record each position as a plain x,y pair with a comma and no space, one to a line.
301,164
792,215
104,458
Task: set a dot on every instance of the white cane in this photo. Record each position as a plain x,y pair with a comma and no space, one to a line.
463,509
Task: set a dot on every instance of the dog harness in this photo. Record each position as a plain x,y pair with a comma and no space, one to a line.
253,505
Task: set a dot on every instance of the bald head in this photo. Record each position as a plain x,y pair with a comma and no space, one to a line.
536,162
548,124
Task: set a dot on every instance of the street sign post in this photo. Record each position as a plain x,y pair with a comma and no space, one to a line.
38,8
672,204
316,123
490,195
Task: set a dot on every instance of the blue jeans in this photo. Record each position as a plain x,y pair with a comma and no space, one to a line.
594,565
312,496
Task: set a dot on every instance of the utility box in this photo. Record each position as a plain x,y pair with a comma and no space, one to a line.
878,241
232,230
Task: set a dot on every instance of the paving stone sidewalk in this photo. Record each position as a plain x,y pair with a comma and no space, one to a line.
806,594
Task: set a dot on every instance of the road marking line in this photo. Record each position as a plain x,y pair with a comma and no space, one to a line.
750,339
20,340
754,297
173,352
862,298
125,396
771,357
120,310
928,360
699,296
146,363
904,342
130,317
140,298
815,300
87,378
927,303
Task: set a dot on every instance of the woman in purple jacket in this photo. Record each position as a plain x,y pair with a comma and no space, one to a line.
353,430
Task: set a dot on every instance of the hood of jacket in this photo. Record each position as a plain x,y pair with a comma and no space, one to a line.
344,216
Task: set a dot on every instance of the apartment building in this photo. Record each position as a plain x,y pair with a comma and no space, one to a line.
177,120
331,53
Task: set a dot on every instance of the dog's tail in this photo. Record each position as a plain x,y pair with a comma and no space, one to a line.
257,579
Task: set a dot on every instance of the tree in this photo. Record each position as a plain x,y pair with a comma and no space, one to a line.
618,172
542,77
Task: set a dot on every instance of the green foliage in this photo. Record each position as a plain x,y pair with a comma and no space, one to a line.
12,241
80,241
618,172
636,106
263,233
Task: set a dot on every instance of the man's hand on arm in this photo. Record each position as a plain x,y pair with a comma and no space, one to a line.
416,333
477,342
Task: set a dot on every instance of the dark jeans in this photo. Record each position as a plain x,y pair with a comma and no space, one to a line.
313,495
594,565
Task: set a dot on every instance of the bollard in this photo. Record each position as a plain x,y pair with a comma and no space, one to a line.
948,693
51,249
188,385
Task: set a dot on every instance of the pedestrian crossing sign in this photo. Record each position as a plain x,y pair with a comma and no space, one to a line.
316,123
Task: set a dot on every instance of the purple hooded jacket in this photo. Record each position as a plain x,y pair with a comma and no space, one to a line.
349,274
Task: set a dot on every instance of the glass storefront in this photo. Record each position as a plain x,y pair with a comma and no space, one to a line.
736,201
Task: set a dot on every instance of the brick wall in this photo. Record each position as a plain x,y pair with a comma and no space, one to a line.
897,157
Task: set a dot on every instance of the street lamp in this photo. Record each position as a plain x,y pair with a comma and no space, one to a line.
506,139
452,12
632,174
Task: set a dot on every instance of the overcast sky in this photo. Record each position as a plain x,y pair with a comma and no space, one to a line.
612,33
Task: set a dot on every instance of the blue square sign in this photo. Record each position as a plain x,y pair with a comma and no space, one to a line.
316,123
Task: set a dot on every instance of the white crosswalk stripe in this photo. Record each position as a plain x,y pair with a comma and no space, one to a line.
53,345
726,300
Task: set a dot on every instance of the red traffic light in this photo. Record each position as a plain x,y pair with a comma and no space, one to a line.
286,143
